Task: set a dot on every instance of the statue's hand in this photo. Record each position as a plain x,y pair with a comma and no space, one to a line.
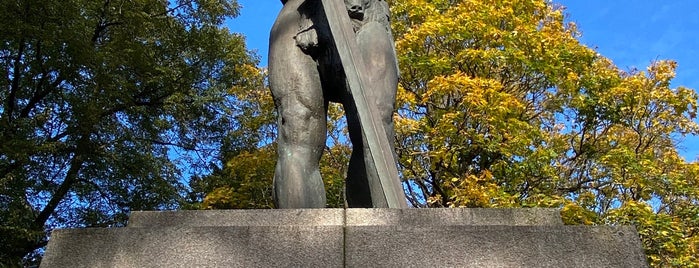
307,39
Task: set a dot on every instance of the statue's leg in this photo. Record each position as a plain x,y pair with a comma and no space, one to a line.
379,57
301,109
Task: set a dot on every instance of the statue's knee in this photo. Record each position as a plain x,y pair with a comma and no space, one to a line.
302,123
298,118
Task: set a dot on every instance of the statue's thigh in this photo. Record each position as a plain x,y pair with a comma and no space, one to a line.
296,88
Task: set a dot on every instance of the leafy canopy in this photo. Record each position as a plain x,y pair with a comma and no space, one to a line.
501,106
99,98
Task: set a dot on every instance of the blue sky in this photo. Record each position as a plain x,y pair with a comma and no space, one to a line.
632,33
635,33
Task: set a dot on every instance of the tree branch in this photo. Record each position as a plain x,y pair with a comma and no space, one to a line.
169,10
165,143
14,88
71,177
41,90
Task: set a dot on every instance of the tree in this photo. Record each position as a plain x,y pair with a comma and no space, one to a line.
98,97
501,106
246,179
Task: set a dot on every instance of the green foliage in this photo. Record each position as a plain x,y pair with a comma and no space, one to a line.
245,182
501,106
97,98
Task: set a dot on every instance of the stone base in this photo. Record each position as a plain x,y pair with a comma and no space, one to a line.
258,246
493,246
347,238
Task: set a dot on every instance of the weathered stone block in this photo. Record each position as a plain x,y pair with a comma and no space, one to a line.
257,246
453,216
238,217
347,238
493,246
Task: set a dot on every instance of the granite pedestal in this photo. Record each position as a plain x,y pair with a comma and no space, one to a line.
347,238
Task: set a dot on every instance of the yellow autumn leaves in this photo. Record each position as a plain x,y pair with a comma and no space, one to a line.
500,106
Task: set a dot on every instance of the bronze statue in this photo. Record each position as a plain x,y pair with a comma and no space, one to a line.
305,73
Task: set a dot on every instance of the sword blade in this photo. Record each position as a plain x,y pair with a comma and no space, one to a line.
352,62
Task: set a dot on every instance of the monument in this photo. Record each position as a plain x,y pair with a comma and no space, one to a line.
324,51
316,58
458,237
